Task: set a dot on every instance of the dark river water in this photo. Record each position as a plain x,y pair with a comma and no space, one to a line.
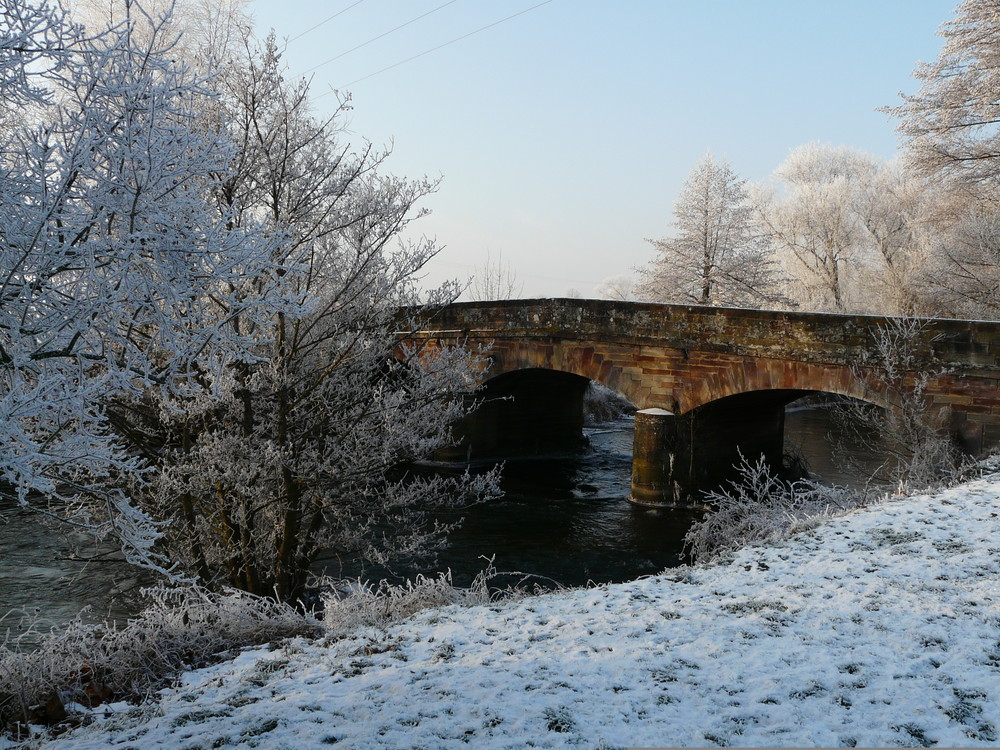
569,520
564,519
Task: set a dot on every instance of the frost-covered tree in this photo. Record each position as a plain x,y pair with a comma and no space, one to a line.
893,208
951,126
35,54
851,231
119,275
965,272
812,223
36,47
305,452
950,130
716,255
207,32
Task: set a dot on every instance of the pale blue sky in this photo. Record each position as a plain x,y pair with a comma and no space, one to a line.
564,134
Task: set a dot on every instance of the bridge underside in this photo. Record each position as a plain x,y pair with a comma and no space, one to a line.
531,412
536,412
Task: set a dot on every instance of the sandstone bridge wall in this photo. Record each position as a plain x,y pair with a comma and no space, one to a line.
679,357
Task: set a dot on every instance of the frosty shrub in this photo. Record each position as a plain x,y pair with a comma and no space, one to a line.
362,604
912,434
85,665
45,677
759,507
601,404
366,604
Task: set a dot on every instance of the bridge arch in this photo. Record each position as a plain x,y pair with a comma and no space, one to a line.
721,433
527,412
681,381
760,376
583,360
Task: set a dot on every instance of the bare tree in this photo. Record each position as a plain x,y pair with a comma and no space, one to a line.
495,280
716,256
951,126
621,287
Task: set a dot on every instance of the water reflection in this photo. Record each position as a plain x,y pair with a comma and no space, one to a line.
568,518
813,432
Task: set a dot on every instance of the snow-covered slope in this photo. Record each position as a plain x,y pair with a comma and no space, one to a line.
879,628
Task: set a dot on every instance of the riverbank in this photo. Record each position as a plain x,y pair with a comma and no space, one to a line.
880,628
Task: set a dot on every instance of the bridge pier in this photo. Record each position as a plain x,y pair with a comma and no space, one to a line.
655,459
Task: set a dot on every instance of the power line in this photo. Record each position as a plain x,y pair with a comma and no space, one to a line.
375,39
440,46
326,20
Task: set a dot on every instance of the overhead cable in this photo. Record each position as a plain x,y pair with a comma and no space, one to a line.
375,39
325,20
440,46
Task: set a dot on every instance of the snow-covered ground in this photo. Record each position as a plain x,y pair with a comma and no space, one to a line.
881,628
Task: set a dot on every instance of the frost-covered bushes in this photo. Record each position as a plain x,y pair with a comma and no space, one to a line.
363,604
366,604
911,433
47,677
897,369
601,404
759,507
85,665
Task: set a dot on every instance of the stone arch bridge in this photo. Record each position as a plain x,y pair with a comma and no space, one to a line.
708,382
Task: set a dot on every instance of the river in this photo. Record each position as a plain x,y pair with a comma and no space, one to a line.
568,519
563,519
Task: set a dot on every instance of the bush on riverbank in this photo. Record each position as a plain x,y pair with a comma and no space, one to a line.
877,629
760,508
602,405
369,605
86,665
